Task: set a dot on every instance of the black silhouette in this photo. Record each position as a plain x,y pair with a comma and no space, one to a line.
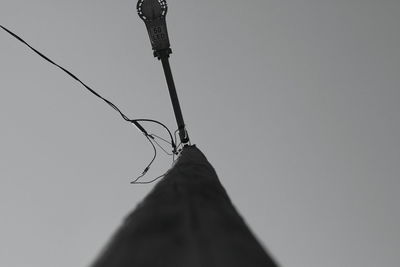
187,220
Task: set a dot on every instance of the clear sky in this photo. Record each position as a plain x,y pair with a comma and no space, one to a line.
295,103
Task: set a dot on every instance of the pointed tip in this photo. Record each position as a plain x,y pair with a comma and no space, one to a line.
187,220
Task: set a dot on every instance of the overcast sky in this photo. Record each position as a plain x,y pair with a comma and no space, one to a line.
295,103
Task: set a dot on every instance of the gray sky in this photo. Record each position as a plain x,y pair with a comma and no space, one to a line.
295,103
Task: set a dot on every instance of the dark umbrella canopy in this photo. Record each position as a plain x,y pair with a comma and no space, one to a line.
187,220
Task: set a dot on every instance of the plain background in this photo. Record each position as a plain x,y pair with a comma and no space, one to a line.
295,103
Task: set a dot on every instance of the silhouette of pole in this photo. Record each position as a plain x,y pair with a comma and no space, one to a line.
153,13
175,101
187,220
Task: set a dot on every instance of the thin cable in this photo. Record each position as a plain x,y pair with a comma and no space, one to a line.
75,78
159,137
173,143
160,146
151,140
148,182
135,122
151,162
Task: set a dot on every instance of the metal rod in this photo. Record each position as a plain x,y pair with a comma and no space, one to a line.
183,135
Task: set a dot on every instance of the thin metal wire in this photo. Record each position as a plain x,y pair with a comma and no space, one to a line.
135,122
161,147
151,162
